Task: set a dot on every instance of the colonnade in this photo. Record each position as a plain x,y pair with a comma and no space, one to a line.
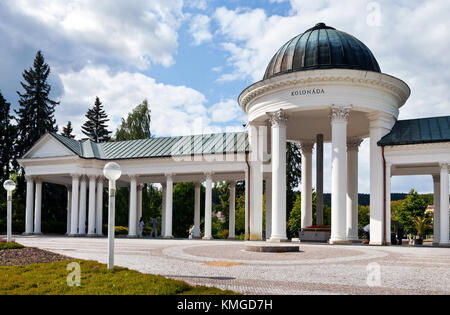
85,206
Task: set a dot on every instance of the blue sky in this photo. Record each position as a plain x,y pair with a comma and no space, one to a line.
192,58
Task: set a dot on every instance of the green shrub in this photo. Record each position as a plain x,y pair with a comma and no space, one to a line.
9,246
121,230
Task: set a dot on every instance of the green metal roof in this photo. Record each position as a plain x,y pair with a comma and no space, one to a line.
221,143
416,131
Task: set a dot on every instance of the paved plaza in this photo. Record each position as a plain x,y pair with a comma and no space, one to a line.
317,269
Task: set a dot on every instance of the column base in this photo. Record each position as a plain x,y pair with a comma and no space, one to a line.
132,236
38,233
168,237
444,244
27,234
92,235
278,240
208,238
340,242
232,238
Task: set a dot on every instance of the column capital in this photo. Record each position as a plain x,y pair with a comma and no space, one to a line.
209,175
93,177
278,118
436,178
133,176
38,180
75,176
307,147
169,175
340,114
232,183
100,179
29,178
443,165
353,144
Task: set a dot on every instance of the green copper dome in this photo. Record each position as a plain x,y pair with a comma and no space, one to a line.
322,47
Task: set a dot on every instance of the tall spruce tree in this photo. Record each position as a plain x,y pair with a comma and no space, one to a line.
35,116
95,127
8,134
67,131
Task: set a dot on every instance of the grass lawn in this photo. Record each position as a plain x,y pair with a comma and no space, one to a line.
51,279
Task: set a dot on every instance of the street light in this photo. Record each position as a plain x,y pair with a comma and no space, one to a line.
9,185
112,172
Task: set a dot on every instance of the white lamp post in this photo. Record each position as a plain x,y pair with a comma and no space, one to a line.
112,172
9,185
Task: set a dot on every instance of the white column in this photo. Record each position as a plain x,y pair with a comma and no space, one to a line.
319,180
139,203
306,200
74,207
232,211
30,206
437,209
92,202
269,206
197,231
133,208
169,206
256,134
352,188
99,208
279,121
380,125
208,208
445,233
163,209
339,119
38,208
388,204
82,206
69,207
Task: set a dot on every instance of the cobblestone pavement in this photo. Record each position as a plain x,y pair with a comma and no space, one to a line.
317,269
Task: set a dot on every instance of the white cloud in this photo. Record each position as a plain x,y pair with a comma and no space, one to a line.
226,111
200,29
136,32
197,4
175,109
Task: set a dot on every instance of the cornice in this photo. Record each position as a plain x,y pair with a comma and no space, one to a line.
383,81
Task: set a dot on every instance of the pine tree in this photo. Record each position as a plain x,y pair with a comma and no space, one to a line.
95,127
67,131
7,138
36,109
